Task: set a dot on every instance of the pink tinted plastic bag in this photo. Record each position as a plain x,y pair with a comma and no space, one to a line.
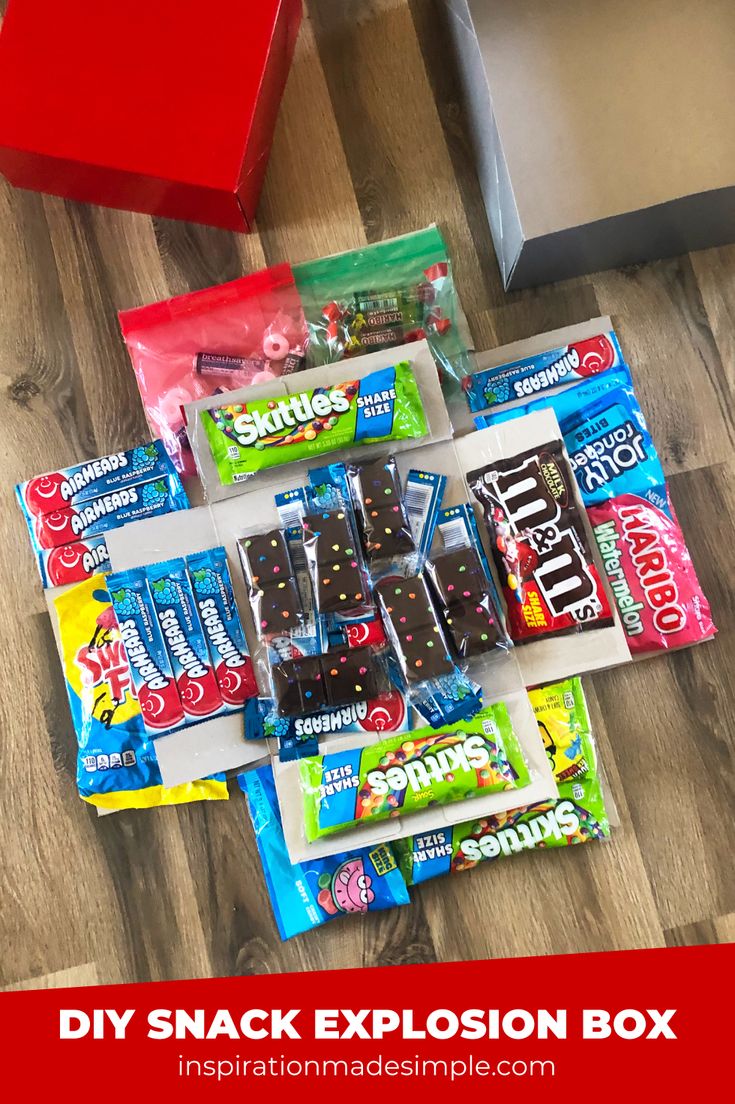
255,325
650,571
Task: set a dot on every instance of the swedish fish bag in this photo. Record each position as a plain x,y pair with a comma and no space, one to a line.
116,761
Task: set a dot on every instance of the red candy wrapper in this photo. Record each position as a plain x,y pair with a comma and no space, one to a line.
650,572
539,544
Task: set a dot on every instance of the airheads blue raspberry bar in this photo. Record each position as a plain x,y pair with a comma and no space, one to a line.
245,438
150,666
306,895
228,650
563,403
45,494
559,367
186,643
71,563
299,736
98,515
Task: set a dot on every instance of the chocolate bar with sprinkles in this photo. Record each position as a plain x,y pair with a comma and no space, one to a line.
331,550
272,588
384,523
461,584
414,628
338,677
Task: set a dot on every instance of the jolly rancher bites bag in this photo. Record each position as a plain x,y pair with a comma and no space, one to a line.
116,762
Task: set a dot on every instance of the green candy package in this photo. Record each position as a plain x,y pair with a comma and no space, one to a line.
561,715
577,816
406,773
386,294
245,438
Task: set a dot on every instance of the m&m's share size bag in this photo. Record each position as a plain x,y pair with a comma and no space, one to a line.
248,331
116,761
382,295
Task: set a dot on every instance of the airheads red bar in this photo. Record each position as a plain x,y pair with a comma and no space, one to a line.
650,572
150,667
45,494
539,544
110,511
186,643
72,563
228,650
525,378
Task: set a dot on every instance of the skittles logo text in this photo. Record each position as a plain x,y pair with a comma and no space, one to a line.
420,774
285,414
555,824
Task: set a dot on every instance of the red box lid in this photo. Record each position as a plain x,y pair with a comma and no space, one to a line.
162,106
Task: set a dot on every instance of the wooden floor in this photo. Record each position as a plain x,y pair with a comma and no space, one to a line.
370,143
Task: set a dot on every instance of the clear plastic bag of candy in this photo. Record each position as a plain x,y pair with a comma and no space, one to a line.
385,294
206,342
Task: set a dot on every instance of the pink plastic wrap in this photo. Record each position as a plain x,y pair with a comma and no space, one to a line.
206,342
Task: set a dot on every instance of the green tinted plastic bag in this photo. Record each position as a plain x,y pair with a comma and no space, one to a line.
383,295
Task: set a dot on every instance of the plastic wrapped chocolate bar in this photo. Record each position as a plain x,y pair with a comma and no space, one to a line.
273,591
539,543
339,677
338,575
384,525
437,687
461,579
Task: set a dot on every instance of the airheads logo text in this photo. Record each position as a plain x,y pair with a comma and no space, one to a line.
285,414
560,822
550,376
218,636
91,472
140,658
86,515
332,720
421,774
178,644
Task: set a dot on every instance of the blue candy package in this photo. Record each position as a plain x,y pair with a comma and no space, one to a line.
552,369
610,448
304,896
563,403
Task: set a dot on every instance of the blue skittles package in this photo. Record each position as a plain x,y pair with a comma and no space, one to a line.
304,896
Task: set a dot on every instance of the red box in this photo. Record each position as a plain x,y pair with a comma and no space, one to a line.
161,106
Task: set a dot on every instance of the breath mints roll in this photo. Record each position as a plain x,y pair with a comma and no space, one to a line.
246,438
406,773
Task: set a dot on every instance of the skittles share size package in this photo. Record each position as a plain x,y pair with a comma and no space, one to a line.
576,816
306,895
116,762
245,438
403,774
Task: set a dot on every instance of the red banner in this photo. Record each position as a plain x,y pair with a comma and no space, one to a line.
634,1022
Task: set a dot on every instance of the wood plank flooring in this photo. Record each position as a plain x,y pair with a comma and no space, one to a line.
370,142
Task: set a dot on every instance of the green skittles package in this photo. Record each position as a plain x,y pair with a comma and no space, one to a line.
304,896
403,774
245,438
578,815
